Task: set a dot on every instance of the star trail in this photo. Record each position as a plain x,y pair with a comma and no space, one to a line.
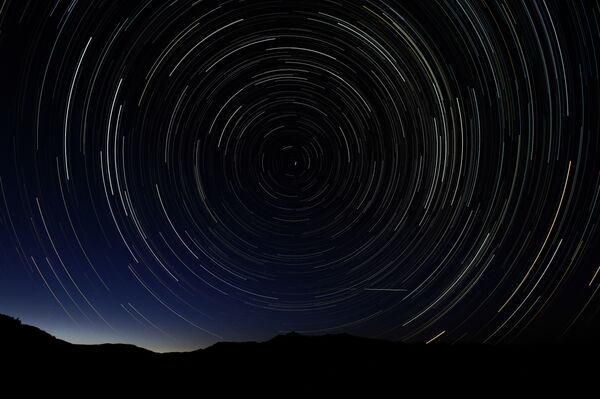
178,173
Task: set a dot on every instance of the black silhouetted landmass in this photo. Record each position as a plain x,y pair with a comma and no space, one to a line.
293,364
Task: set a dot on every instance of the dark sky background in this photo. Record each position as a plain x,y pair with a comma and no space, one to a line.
177,173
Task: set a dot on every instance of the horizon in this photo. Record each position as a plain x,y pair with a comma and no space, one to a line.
306,363
86,341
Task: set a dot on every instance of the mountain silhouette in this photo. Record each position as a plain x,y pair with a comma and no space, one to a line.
293,364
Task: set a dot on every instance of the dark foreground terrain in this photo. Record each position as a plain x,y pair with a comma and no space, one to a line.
291,365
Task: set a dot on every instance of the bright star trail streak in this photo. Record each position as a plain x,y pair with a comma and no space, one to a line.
177,173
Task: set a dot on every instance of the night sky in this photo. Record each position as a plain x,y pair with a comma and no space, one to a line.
176,173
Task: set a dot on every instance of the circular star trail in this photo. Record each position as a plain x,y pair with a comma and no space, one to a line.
232,169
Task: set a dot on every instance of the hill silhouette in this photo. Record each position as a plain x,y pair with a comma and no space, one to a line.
296,364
